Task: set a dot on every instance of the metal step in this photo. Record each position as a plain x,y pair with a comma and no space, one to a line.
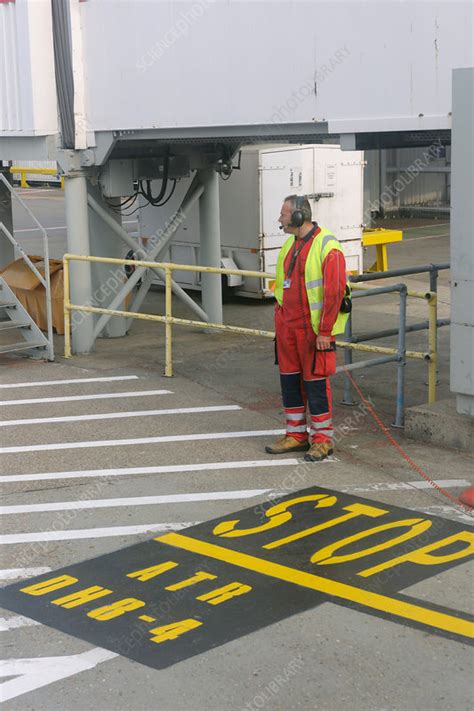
23,346
7,325
34,344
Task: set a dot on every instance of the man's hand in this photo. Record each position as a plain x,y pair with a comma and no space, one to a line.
323,343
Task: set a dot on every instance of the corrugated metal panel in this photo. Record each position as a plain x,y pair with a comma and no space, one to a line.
406,184
28,88
10,117
418,176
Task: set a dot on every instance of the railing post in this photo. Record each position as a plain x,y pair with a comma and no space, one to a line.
347,398
67,308
168,324
7,249
434,279
433,346
434,273
400,411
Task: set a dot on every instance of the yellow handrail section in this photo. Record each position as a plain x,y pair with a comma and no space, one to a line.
169,320
23,171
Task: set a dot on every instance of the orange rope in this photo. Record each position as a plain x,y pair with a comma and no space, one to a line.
400,449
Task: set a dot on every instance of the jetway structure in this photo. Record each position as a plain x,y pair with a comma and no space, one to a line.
178,87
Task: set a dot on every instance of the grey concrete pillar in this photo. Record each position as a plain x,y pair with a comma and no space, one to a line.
107,280
78,242
7,250
462,241
210,250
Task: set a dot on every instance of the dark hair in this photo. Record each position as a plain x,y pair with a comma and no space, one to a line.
304,205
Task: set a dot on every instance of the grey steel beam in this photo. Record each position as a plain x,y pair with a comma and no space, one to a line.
118,229
160,245
190,197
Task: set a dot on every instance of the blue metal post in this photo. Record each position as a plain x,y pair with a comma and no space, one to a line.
400,411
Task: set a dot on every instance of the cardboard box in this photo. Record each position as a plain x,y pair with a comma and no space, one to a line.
31,293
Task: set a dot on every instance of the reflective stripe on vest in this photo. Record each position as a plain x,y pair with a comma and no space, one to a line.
324,243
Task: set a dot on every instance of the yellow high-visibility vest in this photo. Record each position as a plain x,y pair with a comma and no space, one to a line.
322,244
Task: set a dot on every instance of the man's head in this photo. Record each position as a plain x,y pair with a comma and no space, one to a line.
290,204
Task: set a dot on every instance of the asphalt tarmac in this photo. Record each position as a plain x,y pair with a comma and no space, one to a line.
164,454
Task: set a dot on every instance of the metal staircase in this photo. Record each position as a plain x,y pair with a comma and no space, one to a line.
24,334
20,328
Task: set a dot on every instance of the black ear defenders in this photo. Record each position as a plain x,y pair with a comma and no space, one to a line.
297,216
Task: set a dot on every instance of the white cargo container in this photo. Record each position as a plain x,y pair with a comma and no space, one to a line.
250,203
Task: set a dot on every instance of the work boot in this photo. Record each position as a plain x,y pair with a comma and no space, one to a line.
319,451
287,444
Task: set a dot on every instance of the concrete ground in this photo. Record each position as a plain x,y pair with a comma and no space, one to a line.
345,658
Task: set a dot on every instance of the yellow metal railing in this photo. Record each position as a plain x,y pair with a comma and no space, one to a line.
169,320
379,237
23,171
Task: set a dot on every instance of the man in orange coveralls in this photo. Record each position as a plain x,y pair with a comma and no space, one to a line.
313,306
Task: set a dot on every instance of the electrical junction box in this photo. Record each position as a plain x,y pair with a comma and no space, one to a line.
152,168
116,178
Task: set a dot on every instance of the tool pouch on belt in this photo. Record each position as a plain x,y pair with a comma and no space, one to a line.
324,362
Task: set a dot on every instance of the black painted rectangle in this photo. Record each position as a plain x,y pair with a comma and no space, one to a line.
374,525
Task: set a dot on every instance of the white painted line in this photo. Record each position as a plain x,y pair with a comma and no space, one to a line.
20,573
40,383
13,623
459,513
36,229
140,440
120,415
34,673
164,469
24,192
444,483
404,485
430,227
132,501
92,533
418,239
76,398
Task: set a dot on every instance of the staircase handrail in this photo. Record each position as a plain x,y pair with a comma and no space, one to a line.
46,281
